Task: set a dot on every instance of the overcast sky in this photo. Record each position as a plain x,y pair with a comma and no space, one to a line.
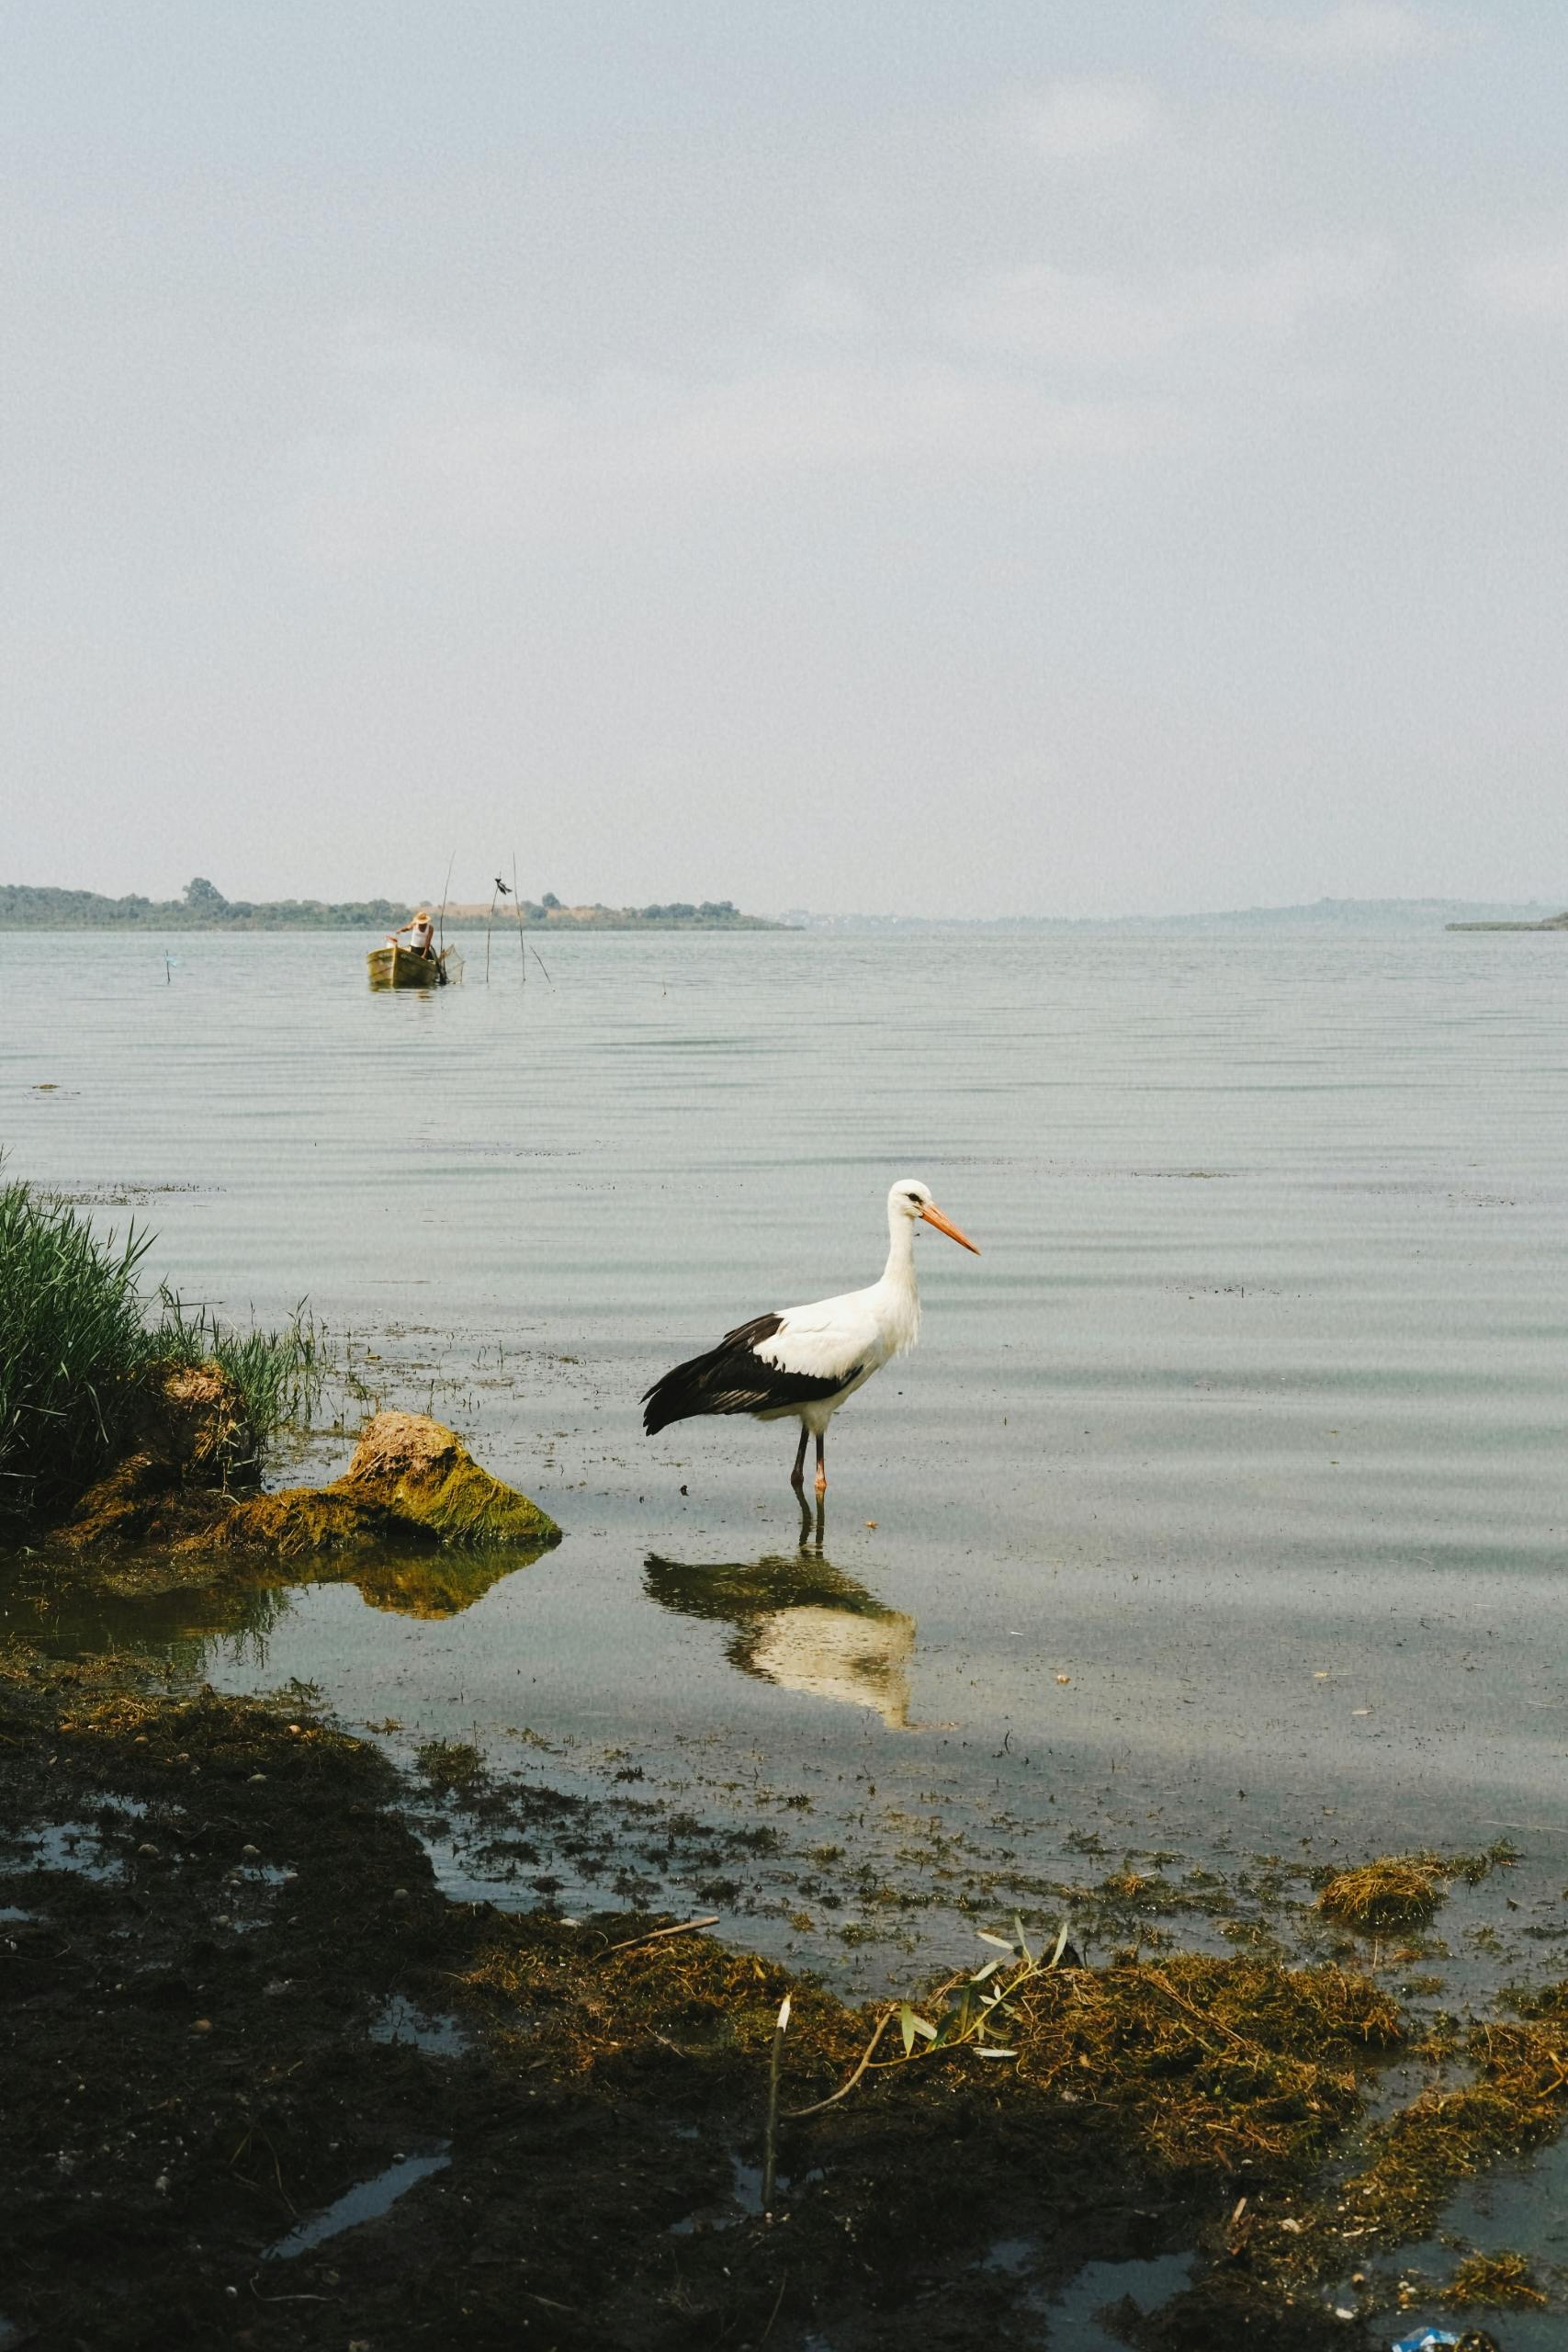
1041,456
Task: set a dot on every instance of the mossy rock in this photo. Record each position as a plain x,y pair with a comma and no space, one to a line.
412,1487
422,1472
413,1484
301,1523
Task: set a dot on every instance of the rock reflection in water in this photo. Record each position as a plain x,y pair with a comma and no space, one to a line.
176,1626
437,1585
800,1623
155,1608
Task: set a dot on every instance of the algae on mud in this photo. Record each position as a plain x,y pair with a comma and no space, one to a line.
192,2027
193,2039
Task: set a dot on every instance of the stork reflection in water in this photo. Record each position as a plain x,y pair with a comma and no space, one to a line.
799,1624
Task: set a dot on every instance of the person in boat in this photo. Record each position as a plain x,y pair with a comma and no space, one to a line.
422,934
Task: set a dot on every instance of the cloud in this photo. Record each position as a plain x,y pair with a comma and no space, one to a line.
1077,122
427,443
1075,317
443,447
1529,283
1042,312
819,306
1356,32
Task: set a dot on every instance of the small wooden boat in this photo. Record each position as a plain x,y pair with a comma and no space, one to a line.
399,967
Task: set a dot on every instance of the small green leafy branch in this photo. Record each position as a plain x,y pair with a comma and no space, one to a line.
975,2012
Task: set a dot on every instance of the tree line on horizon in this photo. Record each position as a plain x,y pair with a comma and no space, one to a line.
24,906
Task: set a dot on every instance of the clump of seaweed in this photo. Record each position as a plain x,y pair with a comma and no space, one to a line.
453,1767
1501,2281
1216,2065
1381,1895
1205,2067
1518,2101
1210,2065
618,2071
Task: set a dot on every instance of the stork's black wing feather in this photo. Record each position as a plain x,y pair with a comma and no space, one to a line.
732,1378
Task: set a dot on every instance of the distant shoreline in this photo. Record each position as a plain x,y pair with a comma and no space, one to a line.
1550,923
24,907
1345,919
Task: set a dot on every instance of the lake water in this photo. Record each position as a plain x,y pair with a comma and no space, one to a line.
1222,1507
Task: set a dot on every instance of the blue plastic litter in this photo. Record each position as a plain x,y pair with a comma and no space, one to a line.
1425,2339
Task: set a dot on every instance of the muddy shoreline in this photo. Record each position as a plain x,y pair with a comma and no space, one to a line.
298,2094
237,1995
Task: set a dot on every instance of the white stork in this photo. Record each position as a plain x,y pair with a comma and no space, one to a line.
809,1361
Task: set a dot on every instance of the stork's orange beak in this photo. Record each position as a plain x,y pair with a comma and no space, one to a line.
933,1216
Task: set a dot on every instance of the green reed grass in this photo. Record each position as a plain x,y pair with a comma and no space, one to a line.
77,1338
279,1373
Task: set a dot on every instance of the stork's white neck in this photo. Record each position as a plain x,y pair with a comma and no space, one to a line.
900,1314
899,1270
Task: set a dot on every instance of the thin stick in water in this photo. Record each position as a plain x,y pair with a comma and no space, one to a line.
769,2147
517,904
440,911
682,1927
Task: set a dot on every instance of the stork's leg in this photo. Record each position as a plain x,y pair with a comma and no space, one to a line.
798,1475
822,1464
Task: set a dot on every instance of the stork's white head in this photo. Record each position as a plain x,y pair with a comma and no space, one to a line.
912,1199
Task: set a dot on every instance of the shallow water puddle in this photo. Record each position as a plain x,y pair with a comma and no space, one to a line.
1102,2285
747,2189
78,1847
401,2021
1512,2205
744,2202
1010,2256
364,2203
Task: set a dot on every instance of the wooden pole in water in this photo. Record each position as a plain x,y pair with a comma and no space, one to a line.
517,904
489,921
441,910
